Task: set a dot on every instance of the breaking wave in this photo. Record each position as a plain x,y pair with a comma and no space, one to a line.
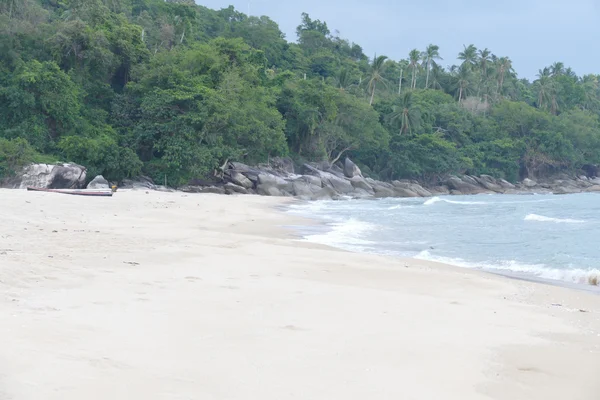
434,200
541,218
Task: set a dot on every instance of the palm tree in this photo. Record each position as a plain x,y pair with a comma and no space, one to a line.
343,79
376,75
414,56
484,60
436,75
462,77
544,86
431,53
407,113
590,91
504,65
468,55
557,69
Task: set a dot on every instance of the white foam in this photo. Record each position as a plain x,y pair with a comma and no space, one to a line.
434,200
347,234
541,218
571,275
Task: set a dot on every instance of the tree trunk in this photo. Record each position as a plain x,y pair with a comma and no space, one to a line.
427,79
372,94
400,82
339,155
460,90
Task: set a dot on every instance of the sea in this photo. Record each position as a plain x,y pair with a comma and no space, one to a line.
552,238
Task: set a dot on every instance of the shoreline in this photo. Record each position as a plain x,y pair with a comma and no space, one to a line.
170,295
531,277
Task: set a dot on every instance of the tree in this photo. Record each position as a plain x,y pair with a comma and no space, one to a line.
462,79
468,56
377,69
414,57
406,113
430,55
504,66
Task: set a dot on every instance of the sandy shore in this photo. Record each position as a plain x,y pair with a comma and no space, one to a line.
174,296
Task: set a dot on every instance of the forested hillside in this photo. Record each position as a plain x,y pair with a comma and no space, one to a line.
173,89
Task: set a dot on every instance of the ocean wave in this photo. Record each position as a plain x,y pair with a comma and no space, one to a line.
434,200
347,234
511,267
541,218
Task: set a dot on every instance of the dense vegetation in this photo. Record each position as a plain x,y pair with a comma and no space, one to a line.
171,89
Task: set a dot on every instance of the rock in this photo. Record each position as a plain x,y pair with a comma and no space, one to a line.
340,185
240,179
358,182
439,190
595,188
529,183
470,179
504,184
304,189
382,191
268,190
361,194
98,183
420,190
200,189
49,176
142,182
565,190
459,186
313,180
233,188
401,192
265,179
489,183
326,193
284,164
350,169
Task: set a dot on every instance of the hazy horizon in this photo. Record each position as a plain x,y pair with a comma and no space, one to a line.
533,33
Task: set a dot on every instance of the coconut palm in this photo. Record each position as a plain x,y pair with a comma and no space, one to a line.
414,56
504,66
545,87
376,75
436,76
462,78
407,113
557,69
468,56
431,53
484,60
343,79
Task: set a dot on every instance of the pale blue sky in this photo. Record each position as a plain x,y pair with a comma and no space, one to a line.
533,33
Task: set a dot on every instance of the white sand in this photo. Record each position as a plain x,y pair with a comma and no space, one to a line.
174,296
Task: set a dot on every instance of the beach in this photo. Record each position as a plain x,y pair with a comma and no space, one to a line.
155,295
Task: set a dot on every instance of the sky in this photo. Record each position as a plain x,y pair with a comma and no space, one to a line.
533,33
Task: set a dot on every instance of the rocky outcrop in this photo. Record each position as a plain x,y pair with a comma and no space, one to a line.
98,183
351,170
140,183
49,176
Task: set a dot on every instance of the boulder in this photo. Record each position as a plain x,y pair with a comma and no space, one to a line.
420,190
201,189
595,188
358,182
49,176
240,179
565,190
489,183
340,185
139,183
98,183
326,193
350,169
361,194
504,184
459,186
265,180
382,191
304,189
529,183
285,164
233,188
439,190
268,190
401,192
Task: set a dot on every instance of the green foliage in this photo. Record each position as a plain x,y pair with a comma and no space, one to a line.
14,154
174,90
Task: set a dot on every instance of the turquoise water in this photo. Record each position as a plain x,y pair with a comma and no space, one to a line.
544,237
